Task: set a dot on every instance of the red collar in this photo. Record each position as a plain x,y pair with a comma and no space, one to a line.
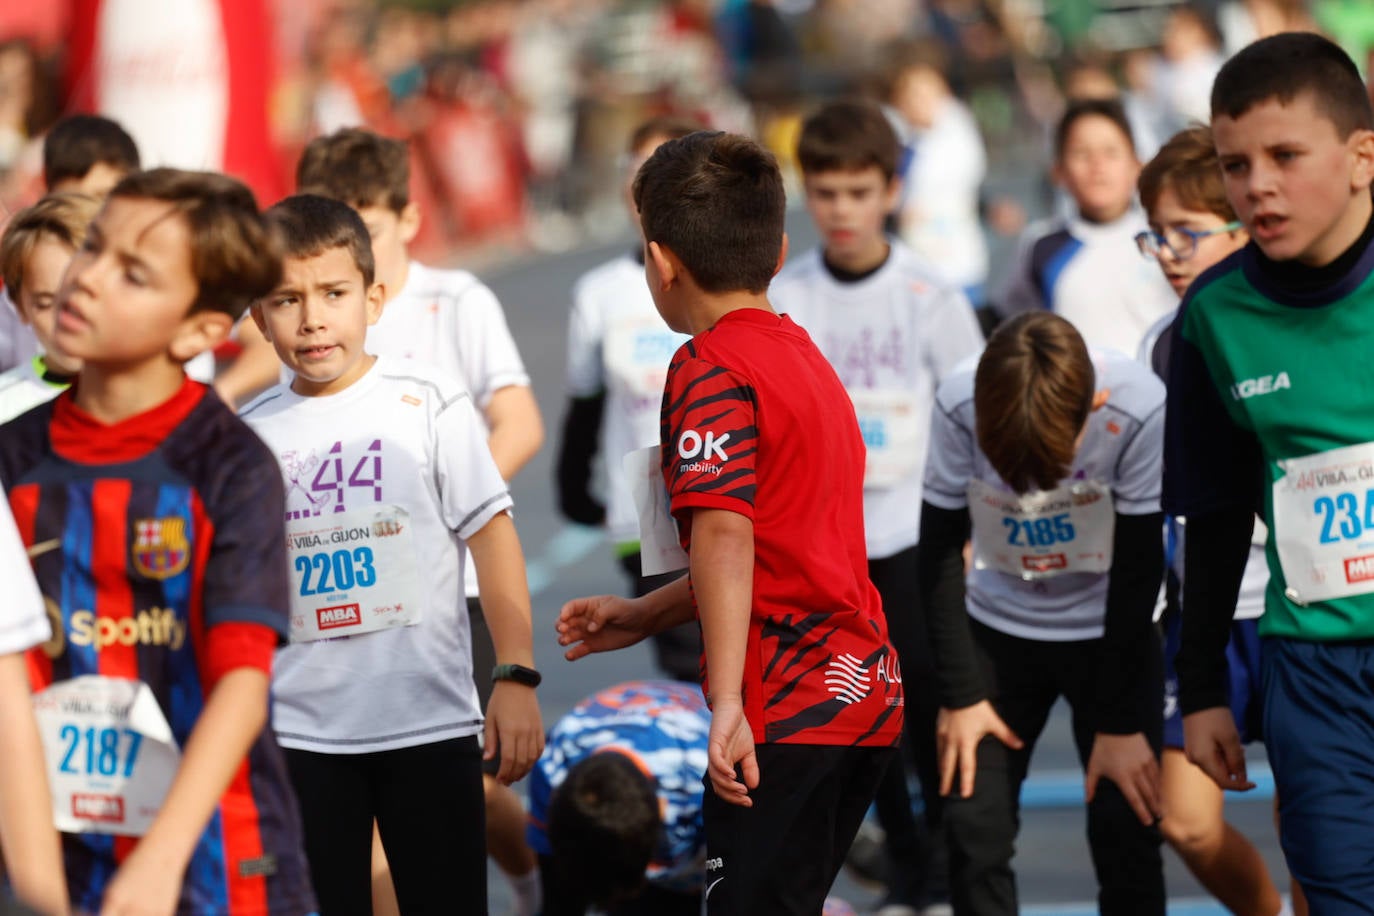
80,437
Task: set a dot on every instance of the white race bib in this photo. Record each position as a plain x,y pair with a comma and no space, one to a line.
1042,534
110,753
352,573
1324,523
887,420
638,350
660,548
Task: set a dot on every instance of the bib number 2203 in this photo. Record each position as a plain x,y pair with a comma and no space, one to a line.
348,569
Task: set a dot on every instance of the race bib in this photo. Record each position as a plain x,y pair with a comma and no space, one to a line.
887,420
638,351
353,573
1042,534
1324,523
660,548
110,754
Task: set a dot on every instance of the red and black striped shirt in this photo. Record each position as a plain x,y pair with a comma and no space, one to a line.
755,421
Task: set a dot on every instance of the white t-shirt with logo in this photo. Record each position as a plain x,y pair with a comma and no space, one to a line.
452,321
1122,451
618,343
891,337
403,437
23,622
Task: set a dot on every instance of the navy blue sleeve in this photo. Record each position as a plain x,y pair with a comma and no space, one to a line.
1210,463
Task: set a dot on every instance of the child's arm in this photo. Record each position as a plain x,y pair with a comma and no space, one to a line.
517,430
513,725
235,713
604,623
33,853
722,570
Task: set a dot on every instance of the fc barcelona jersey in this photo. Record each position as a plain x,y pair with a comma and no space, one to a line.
143,536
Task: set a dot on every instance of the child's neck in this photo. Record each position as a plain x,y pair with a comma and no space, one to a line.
113,394
703,313
392,285
861,262
1104,217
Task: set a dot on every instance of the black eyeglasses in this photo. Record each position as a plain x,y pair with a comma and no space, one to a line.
1180,242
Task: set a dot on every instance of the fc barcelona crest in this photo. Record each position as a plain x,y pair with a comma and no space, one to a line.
160,547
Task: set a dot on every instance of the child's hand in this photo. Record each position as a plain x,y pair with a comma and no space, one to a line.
601,623
958,732
1129,762
1212,743
731,742
514,729
147,884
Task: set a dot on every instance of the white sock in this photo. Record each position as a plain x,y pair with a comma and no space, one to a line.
1287,908
529,894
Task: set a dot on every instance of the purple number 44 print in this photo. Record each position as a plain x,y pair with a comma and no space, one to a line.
329,486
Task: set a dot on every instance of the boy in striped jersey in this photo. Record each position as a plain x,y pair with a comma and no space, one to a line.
149,512
763,462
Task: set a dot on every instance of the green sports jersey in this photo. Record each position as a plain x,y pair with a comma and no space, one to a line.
1271,393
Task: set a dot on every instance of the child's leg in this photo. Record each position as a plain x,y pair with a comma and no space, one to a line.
1218,855
981,829
431,814
1125,852
1319,729
335,796
781,855
907,856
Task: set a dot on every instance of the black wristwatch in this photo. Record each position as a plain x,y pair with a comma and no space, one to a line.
518,673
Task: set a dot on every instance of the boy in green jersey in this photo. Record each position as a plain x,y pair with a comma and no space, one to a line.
1269,387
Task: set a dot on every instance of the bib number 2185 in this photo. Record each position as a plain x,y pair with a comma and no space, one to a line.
1040,532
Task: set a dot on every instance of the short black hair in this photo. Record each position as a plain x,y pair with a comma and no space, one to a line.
1078,109
717,201
358,167
604,824
309,225
77,143
1284,66
848,135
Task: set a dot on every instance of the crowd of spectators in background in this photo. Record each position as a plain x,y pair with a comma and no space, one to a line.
517,109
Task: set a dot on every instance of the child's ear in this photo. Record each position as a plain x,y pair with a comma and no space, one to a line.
199,332
665,264
375,299
782,255
408,224
893,193
255,310
1362,148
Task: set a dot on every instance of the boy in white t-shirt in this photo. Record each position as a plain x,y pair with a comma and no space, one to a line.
618,355
33,854
388,478
891,329
451,321
34,252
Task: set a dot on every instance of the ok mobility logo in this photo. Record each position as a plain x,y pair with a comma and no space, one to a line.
692,445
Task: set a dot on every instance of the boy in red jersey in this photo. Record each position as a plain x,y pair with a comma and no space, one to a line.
764,464
151,516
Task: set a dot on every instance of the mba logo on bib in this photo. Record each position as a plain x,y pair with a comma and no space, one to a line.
160,549
1260,384
345,615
